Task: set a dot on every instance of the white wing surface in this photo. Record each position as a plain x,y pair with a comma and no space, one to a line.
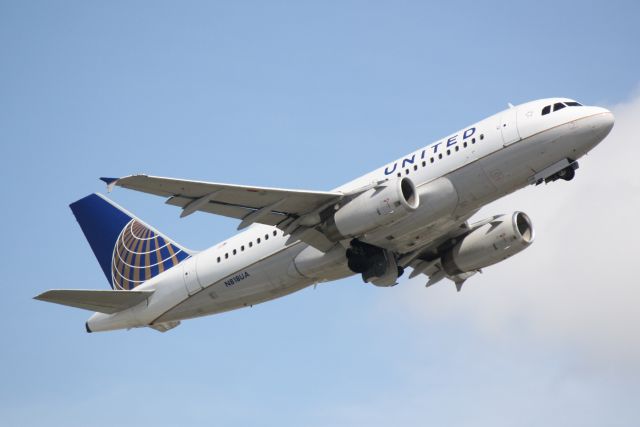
294,211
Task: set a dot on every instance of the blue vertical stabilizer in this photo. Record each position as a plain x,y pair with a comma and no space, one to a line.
128,250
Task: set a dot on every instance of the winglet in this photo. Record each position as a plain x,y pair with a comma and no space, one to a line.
111,182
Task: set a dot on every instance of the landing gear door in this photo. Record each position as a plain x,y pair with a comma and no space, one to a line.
509,127
189,275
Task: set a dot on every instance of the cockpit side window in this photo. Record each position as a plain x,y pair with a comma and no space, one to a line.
558,106
546,110
573,104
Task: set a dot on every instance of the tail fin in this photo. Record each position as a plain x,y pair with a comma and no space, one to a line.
128,250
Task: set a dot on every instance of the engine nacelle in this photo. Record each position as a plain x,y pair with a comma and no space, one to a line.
374,208
489,244
438,200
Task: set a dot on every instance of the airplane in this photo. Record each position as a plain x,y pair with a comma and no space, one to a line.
411,213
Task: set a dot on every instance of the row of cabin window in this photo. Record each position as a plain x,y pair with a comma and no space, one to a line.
258,240
559,106
433,159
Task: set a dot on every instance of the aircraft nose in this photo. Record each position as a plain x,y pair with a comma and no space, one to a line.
610,120
602,122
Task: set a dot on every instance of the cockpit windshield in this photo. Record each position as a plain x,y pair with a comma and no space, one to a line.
559,106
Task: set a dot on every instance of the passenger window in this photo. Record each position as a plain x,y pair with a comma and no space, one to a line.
226,255
242,248
258,240
440,156
465,144
406,171
399,174
235,252
432,160
457,148
558,106
218,259
415,167
266,237
250,244
275,232
424,163
481,136
546,110
448,152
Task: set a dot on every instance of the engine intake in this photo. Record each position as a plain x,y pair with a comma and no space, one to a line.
489,244
374,208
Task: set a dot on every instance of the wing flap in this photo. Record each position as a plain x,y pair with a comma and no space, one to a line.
103,301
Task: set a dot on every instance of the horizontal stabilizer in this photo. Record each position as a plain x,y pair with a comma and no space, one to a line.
108,302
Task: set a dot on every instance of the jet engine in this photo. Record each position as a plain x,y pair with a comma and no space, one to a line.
489,244
374,208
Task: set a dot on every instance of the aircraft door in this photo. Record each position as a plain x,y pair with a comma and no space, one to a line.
509,127
189,275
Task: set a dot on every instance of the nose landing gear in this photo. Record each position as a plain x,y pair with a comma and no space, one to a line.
567,173
564,169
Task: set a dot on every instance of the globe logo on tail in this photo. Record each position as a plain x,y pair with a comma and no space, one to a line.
140,254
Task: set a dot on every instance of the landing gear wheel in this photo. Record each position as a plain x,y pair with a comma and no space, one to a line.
568,174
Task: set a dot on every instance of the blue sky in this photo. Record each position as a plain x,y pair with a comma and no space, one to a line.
310,95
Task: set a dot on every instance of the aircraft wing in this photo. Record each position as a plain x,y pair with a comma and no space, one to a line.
108,302
293,211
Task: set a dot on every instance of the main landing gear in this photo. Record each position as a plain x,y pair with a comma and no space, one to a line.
377,265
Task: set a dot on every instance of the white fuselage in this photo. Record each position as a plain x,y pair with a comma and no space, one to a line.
477,165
